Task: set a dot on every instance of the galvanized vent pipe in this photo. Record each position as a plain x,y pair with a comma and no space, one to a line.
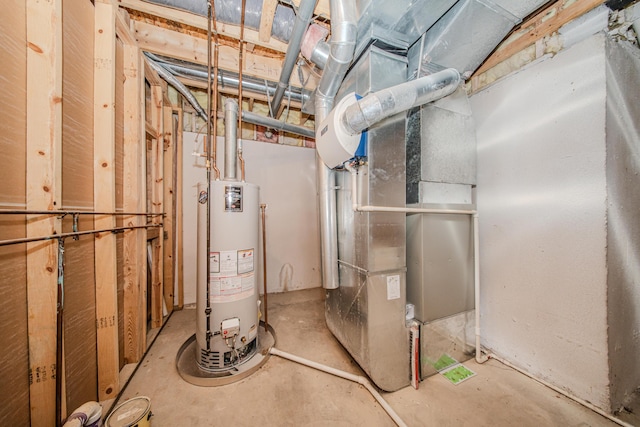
272,123
343,42
305,12
388,102
230,139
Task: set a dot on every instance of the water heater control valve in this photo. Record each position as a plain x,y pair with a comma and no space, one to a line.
230,328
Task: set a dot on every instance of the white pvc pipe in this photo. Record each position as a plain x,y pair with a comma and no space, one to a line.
86,415
562,392
346,375
480,358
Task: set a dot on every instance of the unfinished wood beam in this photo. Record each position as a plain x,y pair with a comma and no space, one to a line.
157,196
105,200
169,222
134,185
543,24
266,20
179,228
193,49
44,188
200,22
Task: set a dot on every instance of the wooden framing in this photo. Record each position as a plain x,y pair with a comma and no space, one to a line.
104,201
157,205
266,19
135,241
178,198
169,148
542,24
200,22
194,49
44,141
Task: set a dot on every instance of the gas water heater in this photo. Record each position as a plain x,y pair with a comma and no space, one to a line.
227,303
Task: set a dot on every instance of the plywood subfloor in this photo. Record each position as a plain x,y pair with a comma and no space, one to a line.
283,393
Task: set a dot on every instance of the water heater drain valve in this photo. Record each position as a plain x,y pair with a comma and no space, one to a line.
230,328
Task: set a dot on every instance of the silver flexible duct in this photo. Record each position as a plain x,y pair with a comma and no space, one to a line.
343,42
388,102
305,12
230,139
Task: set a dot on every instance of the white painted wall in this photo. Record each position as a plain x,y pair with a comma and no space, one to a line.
542,202
287,179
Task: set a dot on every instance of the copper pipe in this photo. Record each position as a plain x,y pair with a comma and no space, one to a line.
240,158
214,96
263,209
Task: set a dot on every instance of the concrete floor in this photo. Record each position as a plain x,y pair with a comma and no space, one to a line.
283,393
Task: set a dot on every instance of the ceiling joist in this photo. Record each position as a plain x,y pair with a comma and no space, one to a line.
200,22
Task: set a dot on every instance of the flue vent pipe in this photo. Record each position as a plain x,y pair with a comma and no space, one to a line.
272,123
167,76
388,102
303,17
342,46
230,139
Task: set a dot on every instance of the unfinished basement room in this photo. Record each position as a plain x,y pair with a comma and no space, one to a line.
320,213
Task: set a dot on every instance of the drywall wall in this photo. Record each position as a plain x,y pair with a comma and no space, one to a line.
543,228
623,211
286,176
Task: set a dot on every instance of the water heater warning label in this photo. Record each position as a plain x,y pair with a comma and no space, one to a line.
245,261
236,288
228,263
232,198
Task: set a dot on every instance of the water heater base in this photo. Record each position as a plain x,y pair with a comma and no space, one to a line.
192,373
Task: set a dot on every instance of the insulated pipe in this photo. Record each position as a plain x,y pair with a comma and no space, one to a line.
396,99
347,376
303,17
342,46
249,83
272,123
230,138
177,84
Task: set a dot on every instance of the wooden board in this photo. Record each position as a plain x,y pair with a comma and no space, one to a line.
178,199
266,19
134,250
157,205
194,49
200,22
169,139
77,193
120,221
44,137
14,353
104,201
543,24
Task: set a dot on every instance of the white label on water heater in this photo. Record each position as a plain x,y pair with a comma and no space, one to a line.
235,288
228,263
214,262
245,261
393,287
